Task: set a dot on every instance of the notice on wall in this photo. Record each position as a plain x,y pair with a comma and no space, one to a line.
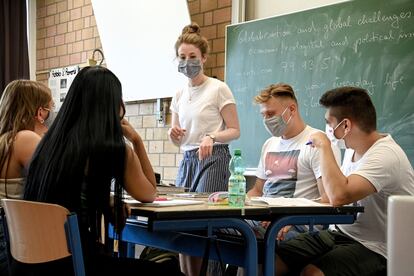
60,80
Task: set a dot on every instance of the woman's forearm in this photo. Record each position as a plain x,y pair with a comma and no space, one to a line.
226,135
139,149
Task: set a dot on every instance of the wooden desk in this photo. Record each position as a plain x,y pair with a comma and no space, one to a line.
170,228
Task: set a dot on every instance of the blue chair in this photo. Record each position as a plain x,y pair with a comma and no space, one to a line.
41,232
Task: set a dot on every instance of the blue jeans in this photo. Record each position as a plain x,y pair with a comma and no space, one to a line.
293,231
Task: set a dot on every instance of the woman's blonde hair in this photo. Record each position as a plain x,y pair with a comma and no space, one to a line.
18,107
191,35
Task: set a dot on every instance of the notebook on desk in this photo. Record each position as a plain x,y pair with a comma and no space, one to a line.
191,195
169,189
282,201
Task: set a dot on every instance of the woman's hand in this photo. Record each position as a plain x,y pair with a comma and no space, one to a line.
129,132
176,134
206,148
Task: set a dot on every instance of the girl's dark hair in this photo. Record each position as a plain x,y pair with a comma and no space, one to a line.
83,152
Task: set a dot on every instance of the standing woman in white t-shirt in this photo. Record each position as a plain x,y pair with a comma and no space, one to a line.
204,118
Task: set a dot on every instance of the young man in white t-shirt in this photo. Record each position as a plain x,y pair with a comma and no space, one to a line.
374,168
287,167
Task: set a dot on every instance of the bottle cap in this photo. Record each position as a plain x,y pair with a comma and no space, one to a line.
237,152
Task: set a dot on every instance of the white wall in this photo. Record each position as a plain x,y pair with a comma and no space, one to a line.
138,38
256,9
31,36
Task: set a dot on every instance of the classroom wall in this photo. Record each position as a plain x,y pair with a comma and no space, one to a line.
268,8
67,35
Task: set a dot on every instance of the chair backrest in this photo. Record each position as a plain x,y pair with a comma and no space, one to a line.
42,232
400,242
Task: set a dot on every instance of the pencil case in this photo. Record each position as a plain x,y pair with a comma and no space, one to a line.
219,198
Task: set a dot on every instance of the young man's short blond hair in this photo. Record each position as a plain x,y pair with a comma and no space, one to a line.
275,90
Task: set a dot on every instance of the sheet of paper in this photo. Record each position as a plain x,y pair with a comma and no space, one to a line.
191,195
164,203
282,201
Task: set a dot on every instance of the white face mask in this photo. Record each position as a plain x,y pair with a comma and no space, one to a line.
50,117
330,132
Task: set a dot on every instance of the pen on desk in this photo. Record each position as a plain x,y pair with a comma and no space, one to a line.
309,143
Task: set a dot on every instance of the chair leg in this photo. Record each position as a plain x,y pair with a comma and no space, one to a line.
74,244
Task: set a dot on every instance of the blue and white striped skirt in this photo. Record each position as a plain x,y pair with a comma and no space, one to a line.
207,175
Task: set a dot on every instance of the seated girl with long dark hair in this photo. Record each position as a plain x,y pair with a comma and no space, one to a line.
82,155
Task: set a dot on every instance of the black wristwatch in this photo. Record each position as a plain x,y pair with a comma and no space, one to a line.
213,137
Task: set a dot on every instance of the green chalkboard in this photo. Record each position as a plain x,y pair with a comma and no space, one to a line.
367,43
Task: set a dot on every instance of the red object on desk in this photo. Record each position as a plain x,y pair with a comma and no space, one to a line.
161,199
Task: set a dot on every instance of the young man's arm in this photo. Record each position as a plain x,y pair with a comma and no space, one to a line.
324,197
339,189
257,189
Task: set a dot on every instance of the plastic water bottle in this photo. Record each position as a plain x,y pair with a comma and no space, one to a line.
237,181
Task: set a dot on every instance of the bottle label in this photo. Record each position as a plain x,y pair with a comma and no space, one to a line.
236,200
237,190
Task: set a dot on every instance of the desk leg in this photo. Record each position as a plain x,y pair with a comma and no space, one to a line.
130,252
250,254
271,233
162,235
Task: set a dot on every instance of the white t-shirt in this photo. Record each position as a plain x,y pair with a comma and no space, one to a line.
198,110
387,168
290,167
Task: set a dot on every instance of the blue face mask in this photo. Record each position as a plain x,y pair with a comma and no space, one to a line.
275,125
190,67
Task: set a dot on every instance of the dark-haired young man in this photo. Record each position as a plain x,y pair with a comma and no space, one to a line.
374,167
